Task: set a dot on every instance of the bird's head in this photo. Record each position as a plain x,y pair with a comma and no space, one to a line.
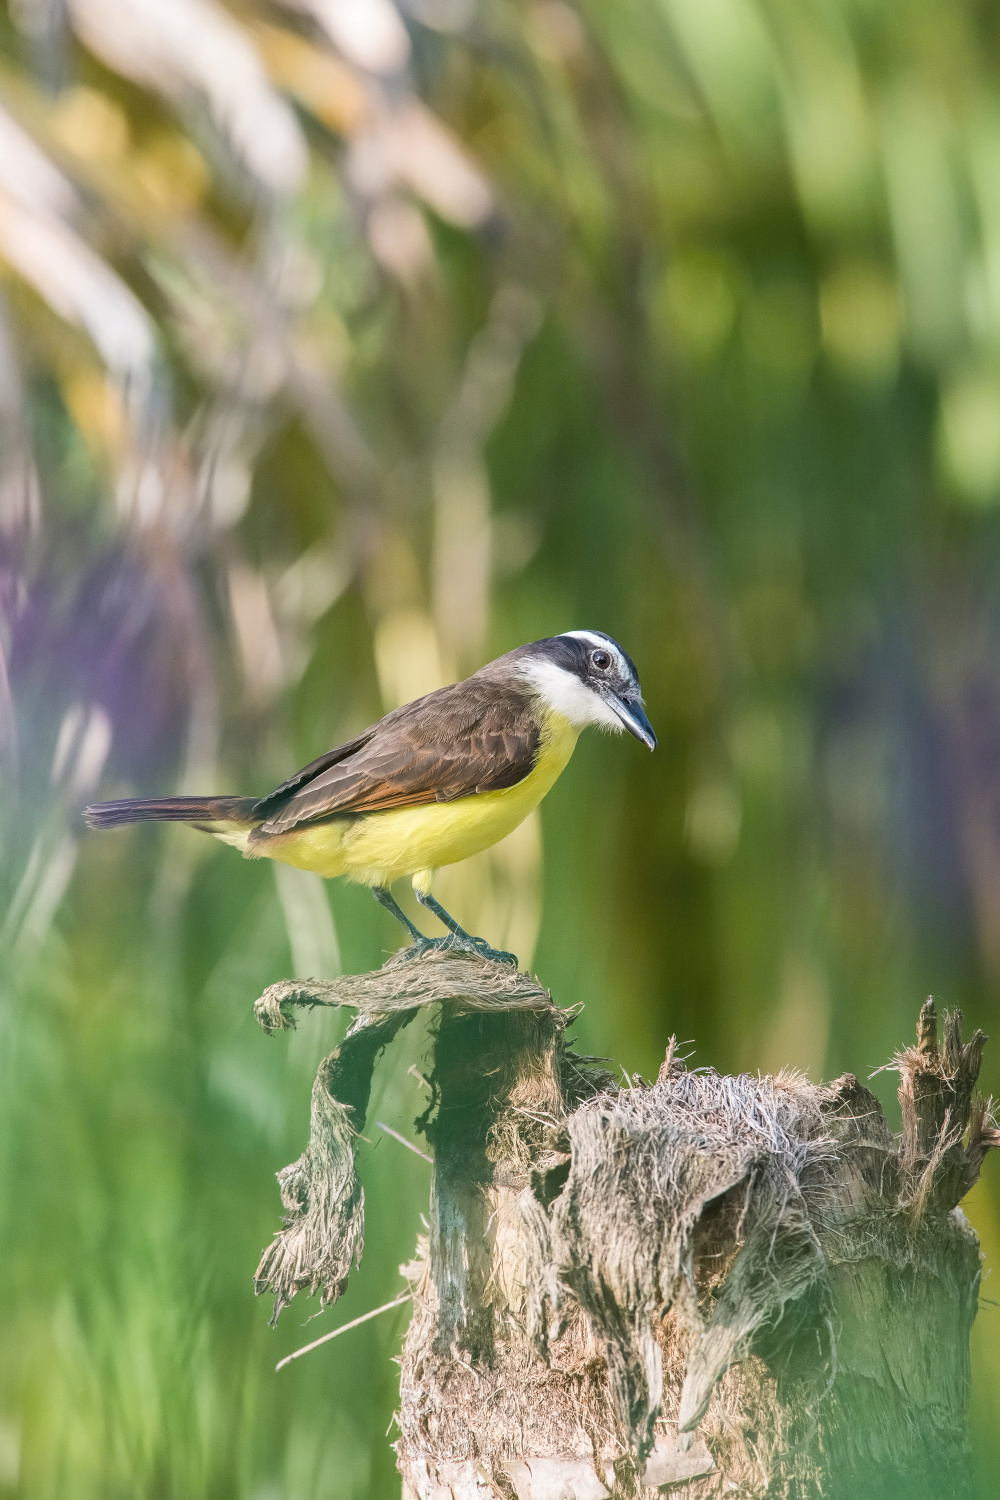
587,677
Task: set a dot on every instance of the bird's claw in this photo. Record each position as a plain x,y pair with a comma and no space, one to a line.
453,943
494,955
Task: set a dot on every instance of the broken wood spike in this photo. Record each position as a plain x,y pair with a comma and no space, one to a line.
953,1021
671,1062
927,1028
938,1103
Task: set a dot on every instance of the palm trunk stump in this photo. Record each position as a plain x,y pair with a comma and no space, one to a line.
703,1286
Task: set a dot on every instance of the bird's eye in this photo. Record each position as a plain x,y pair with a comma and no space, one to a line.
600,659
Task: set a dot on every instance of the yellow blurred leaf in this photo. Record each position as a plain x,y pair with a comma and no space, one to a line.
96,408
731,56
327,87
172,172
830,136
861,320
969,436
369,33
407,656
926,218
194,46
696,303
90,124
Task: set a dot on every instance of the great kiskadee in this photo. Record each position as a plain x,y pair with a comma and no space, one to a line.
431,783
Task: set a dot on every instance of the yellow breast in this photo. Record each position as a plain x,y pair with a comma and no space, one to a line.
378,848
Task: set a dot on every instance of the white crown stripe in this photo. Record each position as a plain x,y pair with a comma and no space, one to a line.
593,636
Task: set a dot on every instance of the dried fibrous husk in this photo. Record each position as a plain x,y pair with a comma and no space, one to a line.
323,1235
708,1285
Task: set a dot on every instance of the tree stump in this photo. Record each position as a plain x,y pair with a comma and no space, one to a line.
702,1286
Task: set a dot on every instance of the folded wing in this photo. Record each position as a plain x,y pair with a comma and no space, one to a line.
458,742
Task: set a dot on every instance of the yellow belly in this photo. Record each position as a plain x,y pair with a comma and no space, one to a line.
378,848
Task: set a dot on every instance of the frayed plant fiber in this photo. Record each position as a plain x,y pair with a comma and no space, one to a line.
324,1202
647,1164
323,1233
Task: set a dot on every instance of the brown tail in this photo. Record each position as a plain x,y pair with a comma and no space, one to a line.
171,810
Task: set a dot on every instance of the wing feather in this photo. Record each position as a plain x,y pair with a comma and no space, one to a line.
470,738
309,772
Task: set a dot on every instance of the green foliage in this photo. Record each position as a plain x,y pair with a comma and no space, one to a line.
703,350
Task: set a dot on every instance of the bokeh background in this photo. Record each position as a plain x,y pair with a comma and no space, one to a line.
343,347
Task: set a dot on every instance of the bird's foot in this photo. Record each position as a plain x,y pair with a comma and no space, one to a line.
461,941
482,948
455,942
423,946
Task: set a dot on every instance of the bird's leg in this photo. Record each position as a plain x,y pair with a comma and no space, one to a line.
465,939
385,898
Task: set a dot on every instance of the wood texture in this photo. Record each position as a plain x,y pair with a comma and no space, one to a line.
703,1286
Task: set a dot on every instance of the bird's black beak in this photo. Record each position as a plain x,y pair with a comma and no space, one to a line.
635,721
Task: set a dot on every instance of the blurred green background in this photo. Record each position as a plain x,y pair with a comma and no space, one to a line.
342,348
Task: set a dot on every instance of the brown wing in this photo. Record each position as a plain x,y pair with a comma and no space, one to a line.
472,737
280,795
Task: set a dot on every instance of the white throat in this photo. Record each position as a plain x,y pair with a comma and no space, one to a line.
565,694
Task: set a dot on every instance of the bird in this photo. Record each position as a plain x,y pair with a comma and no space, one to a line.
432,782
